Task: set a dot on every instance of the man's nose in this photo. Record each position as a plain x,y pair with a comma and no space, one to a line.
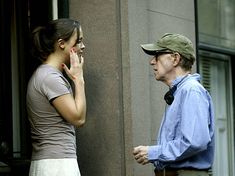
153,61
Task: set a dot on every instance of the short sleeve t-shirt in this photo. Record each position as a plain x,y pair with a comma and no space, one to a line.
52,136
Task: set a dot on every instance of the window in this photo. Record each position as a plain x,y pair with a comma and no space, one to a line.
216,77
19,18
216,23
216,44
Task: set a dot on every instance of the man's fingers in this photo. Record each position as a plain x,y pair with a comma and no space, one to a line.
142,160
140,154
136,150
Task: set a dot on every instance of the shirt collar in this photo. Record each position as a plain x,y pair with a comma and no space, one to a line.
179,79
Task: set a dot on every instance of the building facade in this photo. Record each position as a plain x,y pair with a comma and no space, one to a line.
124,102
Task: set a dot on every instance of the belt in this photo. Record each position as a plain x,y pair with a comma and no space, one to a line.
175,171
166,173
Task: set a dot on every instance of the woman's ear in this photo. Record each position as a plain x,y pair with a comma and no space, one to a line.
61,44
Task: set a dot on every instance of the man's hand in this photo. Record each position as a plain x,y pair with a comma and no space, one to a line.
141,154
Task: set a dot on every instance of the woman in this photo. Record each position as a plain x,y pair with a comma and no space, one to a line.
53,108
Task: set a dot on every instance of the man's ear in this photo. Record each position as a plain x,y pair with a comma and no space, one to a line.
61,43
177,58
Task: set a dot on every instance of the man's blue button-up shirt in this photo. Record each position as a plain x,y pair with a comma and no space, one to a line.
186,135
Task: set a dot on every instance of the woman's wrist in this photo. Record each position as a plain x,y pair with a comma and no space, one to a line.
78,81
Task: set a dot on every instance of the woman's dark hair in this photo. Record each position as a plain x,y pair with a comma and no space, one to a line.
45,37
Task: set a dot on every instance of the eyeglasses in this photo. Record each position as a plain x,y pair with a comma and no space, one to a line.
163,52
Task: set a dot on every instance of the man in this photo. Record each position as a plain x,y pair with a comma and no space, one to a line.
185,144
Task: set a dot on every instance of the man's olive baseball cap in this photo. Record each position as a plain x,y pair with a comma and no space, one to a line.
171,42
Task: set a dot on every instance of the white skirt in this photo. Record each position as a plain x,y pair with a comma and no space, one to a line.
54,167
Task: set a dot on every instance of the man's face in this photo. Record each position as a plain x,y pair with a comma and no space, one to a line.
162,65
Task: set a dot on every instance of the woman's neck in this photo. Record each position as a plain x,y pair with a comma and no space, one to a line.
55,60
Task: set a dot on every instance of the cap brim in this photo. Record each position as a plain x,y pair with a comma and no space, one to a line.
151,49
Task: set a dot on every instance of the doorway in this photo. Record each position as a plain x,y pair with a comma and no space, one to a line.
19,18
216,75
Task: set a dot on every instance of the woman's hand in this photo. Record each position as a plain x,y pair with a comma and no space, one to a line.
73,108
76,66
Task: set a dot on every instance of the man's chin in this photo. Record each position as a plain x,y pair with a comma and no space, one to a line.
157,78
